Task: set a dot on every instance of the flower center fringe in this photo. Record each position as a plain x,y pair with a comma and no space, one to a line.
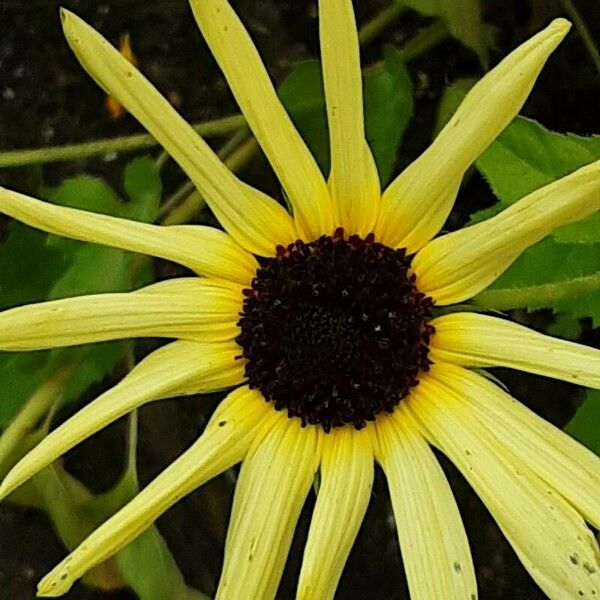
335,330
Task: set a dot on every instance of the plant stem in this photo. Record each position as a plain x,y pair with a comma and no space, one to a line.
172,201
33,411
424,41
530,297
383,19
584,32
19,158
193,203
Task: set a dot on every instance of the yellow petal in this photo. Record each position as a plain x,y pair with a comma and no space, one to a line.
455,267
476,340
224,443
180,368
205,250
353,179
190,308
344,493
417,203
274,480
434,546
565,464
547,533
253,219
251,85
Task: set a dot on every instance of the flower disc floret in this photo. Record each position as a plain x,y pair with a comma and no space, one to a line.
335,331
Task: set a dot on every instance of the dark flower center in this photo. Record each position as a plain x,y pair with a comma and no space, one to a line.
335,331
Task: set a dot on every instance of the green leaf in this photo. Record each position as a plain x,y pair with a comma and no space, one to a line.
22,373
304,98
527,156
452,96
388,98
586,231
564,277
28,267
143,186
85,192
146,563
97,269
463,19
565,326
41,267
562,272
149,568
585,425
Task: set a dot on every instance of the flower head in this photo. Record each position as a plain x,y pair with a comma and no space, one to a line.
321,319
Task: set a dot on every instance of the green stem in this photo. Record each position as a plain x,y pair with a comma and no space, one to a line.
161,159
193,203
424,41
19,158
584,32
31,414
383,19
541,296
421,43
174,200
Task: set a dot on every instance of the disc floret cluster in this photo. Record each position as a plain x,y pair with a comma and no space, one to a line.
335,331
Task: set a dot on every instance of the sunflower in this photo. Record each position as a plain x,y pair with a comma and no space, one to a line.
322,318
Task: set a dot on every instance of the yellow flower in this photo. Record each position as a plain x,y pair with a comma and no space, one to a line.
335,331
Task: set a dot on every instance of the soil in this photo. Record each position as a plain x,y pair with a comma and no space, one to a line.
46,99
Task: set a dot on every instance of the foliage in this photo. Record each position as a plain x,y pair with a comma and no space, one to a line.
462,18
585,425
35,266
388,99
562,272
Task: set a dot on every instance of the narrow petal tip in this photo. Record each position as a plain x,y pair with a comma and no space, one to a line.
54,584
69,22
65,16
8,485
561,25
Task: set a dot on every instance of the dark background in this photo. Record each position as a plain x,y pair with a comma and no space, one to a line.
47,99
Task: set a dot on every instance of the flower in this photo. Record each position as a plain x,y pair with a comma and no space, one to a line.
325,313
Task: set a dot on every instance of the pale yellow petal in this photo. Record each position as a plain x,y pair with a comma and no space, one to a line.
205,250
417,203
476,340
344,493
253,219
180,368
353,180
251,85
188,308
274,480
557,458
434,546
547,533
455,267
224,442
